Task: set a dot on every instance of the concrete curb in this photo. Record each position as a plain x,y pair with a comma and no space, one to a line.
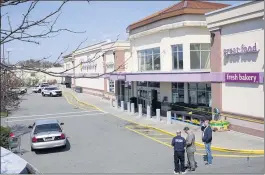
242,151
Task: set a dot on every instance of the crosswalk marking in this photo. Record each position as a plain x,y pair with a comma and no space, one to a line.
29,116
100,113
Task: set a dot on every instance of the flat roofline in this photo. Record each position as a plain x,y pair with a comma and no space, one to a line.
230,7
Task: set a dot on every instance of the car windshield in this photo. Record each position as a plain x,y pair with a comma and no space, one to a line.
44,85
47,128
52,88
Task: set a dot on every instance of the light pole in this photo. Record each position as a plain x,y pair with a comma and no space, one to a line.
3,58
8,57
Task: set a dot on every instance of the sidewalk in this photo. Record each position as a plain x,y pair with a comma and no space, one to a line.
228,139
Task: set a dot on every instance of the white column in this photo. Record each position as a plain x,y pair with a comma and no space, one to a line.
128,107
148,112
122,105
158,115
111,102
169,119
132,108
116,104
140,111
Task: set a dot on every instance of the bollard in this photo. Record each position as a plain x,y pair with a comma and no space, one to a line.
158,115
111,102
132,108
116,104
148,112
169,119
140,111
122,105
128,107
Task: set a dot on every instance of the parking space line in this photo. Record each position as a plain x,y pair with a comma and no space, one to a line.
100,113
201,154
26,116
156,134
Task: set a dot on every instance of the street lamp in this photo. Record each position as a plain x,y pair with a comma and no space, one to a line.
3,58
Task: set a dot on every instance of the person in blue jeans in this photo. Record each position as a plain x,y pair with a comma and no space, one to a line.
207,140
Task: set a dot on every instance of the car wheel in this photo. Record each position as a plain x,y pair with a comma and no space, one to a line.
51,94
39,91
43,94
32,149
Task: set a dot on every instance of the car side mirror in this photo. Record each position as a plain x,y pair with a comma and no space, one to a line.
30,127
61,123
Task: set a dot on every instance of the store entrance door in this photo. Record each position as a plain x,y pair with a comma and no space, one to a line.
154,101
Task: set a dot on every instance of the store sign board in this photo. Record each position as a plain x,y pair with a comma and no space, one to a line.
242,77
85,65
109,65
241,50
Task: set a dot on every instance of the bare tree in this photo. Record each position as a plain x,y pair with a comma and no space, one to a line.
9,81
23,33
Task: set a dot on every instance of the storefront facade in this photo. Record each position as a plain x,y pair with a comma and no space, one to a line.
68,70
93,64
237,51
171,55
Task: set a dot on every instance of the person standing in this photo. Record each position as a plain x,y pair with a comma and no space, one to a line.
190,148
207,140
179,144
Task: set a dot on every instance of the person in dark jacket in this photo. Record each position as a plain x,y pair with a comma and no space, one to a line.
179,144
207,140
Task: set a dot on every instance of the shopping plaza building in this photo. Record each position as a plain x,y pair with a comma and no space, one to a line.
91,66
237,61
198,53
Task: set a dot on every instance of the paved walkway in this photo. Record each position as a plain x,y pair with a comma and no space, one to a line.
228,139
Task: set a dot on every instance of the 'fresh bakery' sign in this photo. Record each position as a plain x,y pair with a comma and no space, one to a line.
242,77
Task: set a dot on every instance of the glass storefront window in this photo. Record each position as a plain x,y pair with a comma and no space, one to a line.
177,92
199,93
111,86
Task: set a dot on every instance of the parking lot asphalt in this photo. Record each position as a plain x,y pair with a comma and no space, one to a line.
100,143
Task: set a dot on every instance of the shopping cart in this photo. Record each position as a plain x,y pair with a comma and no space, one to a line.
14,143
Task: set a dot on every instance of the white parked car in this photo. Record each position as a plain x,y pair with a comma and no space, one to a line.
35,89
40,87
51,91
19,90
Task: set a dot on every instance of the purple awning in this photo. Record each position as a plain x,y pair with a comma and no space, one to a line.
174,76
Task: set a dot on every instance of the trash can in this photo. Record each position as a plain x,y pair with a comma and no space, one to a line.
79,89
67,85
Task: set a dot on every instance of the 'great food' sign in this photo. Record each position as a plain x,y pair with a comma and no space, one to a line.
241,50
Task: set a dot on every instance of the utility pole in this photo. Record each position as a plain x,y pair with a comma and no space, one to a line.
8,57
3,61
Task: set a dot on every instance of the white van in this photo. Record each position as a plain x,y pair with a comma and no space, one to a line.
13,164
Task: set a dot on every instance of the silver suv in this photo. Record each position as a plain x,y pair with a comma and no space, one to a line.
51,91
